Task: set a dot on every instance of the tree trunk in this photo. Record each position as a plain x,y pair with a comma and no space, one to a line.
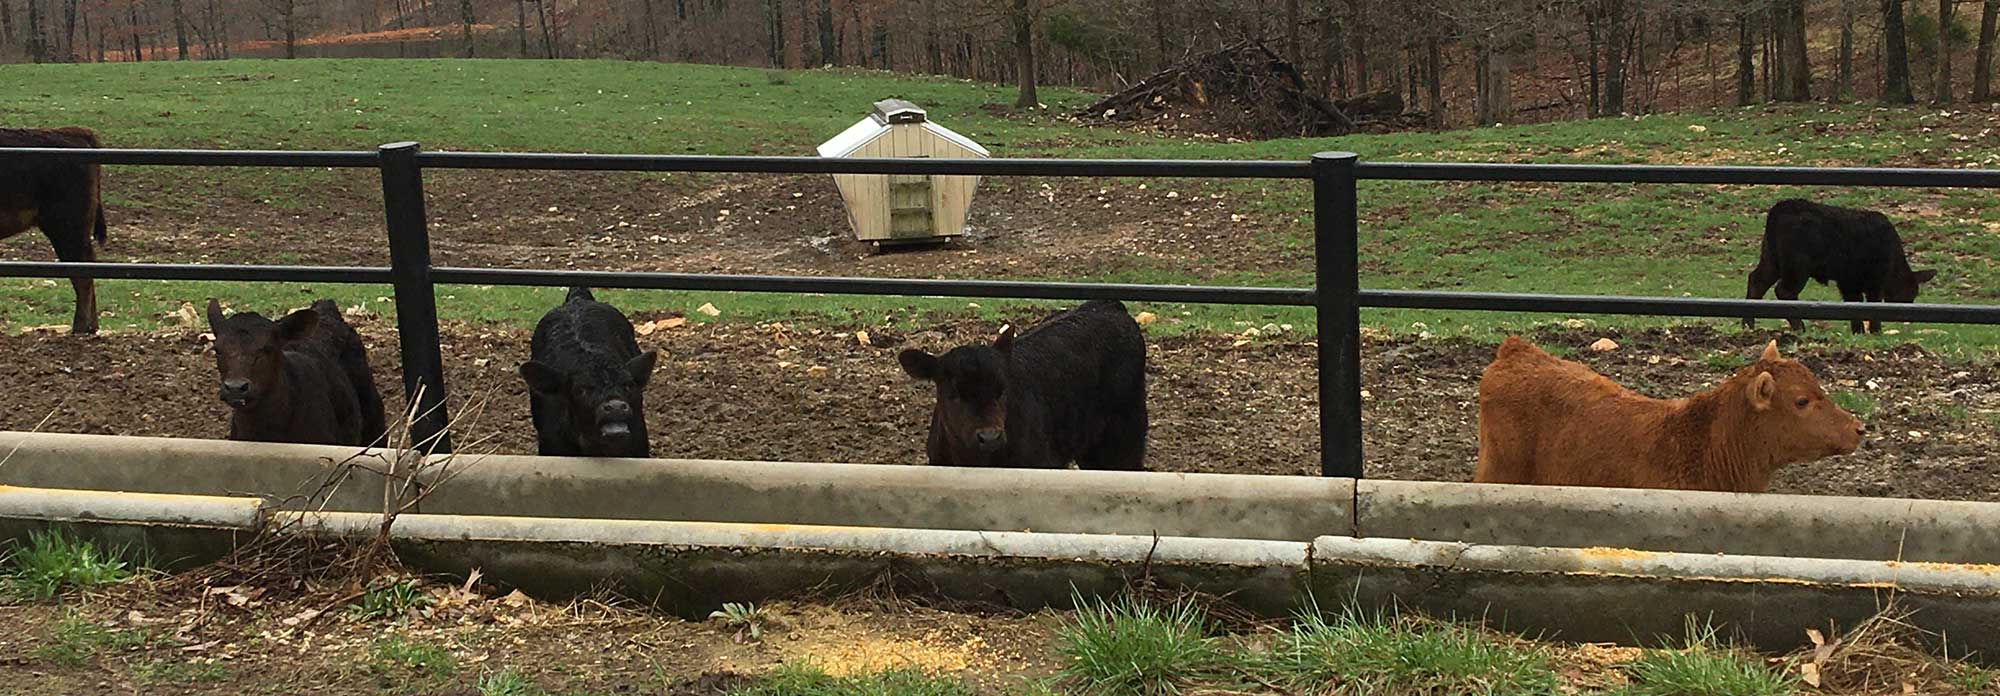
132,16
1592,40
1895,55
465,19
1434,74
774,24
1360,41
521,24
69,31
1941,83
180,30
1292,30
827,51
933,42
1024,52
1794,70
1161,26
291,28
1329,49
1494,104
6,24
37,50
1982,63
548,34
1617,49
651,31
1746,56
1844,68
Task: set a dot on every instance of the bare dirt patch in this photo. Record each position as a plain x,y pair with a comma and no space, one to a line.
779,391
766,224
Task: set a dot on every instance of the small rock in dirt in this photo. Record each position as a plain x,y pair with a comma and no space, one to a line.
708,309
816,371
1146,318
1269,328
1603,345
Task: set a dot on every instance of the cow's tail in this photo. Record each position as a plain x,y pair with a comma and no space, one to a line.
98,232
580,293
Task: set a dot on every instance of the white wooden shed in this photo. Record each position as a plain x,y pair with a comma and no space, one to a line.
903,208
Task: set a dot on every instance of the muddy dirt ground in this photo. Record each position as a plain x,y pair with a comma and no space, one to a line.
780,392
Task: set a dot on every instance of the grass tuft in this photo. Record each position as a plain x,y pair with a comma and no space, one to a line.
1703,666
1358,653
54,562
78,640
1136,647
396,654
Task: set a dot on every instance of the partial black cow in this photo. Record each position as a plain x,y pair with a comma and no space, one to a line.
59,197
303,378
1857,250
587,381
1071,388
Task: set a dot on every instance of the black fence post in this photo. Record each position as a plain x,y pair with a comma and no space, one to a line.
1337,287
416,301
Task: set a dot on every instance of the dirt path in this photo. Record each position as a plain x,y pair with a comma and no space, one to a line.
780,392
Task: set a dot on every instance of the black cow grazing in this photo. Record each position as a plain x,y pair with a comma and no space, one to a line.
303,378
1071,388
59,197
587,381
1858,250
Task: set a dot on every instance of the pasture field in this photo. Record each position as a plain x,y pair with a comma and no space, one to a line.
795,370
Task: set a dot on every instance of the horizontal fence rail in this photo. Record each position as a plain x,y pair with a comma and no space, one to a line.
1335,295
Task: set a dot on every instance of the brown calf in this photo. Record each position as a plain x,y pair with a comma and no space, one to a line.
1544,420
59,197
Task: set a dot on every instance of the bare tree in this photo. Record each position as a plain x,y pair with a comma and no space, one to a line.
1982,63
1844,67
37,48
180,30
1023,18
1746,54
465,18
1895,55
521,23
6,24
1793,72
1941,80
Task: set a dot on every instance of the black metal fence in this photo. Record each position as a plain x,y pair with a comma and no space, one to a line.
1335,295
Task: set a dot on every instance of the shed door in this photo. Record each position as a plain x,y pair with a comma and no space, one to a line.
910,206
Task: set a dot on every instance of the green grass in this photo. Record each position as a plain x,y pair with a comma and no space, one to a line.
77,640
1355,653
1697,241
1131,646
507,682
167,672
53,562
1703,666
795,680
1858,403
399,656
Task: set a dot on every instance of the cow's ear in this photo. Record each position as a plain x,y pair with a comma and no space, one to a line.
1770,351
542,378
919,364
1763,390
1924,276
297,325
640,367
214,313
1006,340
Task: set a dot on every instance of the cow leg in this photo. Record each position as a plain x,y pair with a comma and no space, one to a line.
1854,325
1761,279
1788,290
69,232
1121,447
1875,326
